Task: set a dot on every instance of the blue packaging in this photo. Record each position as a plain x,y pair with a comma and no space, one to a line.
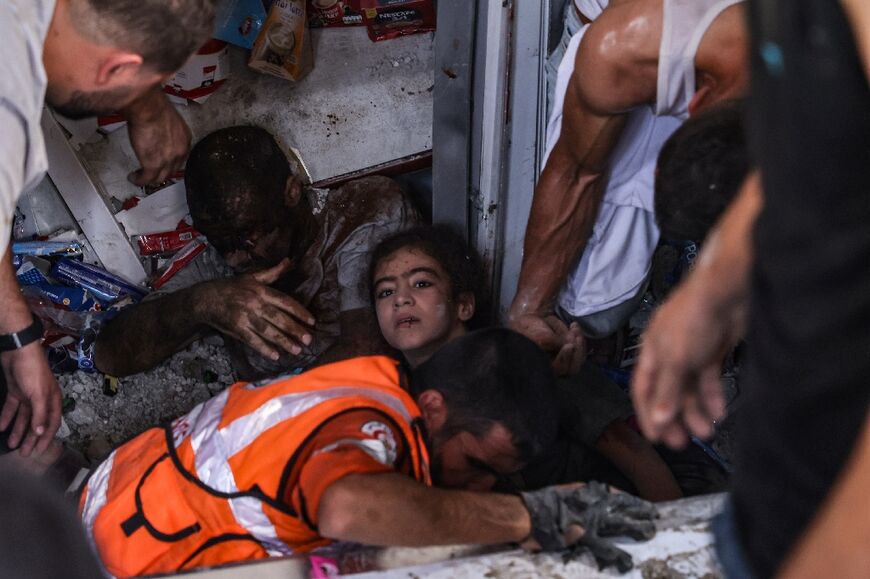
74,298
85,352
43,248
239,21
102,284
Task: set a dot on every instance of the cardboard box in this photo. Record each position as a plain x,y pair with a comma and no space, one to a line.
202,74
283,47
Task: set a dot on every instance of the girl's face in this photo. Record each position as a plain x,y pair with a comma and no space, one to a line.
414,305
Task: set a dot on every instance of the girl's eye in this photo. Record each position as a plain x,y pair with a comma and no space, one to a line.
422,283
384,293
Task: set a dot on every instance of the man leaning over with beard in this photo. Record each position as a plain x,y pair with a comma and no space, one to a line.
82,57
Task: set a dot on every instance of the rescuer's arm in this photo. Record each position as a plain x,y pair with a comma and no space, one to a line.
33,402
159,137
606,84
391,509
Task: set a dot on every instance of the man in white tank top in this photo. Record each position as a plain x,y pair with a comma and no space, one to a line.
628,79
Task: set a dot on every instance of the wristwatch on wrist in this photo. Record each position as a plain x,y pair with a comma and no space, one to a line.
20,339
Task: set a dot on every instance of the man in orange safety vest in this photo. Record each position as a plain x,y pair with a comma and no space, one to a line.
341,452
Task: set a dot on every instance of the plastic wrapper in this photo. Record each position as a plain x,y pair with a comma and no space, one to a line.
47,248
386,19
76,299
283,47
166,242
239,21
334,13
179,261
87,342
105,286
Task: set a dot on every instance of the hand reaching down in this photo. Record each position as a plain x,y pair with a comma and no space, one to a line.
564,343
33,399
578,517
159,136
267,320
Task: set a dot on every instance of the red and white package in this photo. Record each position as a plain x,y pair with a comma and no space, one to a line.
187,254
388,19
110,123
334,13
167,241
202,74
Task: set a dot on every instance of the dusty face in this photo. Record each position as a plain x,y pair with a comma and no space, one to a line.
415,308
258,236
464,461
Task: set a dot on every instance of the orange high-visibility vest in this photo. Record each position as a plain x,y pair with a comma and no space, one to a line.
209,488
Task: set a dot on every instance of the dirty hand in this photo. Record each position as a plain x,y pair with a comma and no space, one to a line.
676,388
246,308
557,511
565,343
159,136
33,399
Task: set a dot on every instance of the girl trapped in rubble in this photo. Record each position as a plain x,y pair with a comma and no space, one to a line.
427,287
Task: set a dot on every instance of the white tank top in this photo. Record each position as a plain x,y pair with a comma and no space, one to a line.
683,26
591,9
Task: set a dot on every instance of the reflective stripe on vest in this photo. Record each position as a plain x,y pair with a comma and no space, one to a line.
213,447
97,492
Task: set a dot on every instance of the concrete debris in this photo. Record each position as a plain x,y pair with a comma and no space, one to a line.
99,422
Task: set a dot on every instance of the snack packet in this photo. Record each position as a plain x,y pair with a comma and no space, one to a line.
283,47
388,19
334,13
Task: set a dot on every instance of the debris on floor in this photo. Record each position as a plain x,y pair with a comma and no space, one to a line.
97,422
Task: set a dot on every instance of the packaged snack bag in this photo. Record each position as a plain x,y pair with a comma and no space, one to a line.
334,13
202,74
283,47
239,21
387,19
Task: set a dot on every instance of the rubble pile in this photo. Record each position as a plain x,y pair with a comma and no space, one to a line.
95,422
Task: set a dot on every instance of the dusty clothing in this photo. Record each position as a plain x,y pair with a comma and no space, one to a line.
588,403
615,263
808,371
241,476
332,277
23,162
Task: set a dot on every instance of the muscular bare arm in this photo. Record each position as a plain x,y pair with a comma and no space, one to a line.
392,509
613,73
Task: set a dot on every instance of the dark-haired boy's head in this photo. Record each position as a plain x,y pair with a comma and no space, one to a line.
489,405
243,196
700,168
426,287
